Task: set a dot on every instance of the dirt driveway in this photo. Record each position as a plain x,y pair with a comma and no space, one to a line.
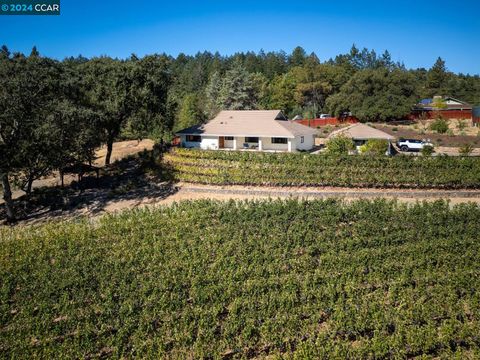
185,191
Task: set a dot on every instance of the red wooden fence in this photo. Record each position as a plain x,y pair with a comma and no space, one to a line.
328,121
447,114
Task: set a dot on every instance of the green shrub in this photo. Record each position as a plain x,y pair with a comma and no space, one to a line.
427,150
375,147
461,124
394,129
439,125
465,149
340,145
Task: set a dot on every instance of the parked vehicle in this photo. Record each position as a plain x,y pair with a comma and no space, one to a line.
325,116
413,144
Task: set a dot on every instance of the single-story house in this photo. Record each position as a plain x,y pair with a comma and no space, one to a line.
261,130
446,106
361,133
448,103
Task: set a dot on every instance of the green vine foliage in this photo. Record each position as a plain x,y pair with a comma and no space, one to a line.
300,169
294,279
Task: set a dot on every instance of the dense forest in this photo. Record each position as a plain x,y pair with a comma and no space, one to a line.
373,87
56,113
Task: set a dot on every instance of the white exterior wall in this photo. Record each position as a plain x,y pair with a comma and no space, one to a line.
308,142
241,141
267,145
452,102
228,144
209,143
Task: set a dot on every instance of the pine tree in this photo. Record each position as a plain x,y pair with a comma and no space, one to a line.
238,90
34,52
437,78
4,52
298,57
212,93
190,112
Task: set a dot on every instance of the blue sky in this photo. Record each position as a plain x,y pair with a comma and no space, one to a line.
415,32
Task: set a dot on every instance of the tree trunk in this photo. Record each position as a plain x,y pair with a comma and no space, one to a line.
109,151
7,197
28,190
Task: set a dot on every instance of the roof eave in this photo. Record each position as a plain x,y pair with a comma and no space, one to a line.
240,135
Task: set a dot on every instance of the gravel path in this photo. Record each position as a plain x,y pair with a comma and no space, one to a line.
330,192
327,192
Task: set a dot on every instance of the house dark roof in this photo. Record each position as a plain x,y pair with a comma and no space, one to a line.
450,104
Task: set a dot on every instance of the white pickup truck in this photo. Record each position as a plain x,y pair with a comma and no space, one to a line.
413,144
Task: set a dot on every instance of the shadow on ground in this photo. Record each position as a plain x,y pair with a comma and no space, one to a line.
133,179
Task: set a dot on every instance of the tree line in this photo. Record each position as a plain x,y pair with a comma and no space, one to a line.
372,87
54,114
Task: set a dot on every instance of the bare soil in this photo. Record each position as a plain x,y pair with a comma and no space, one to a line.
127,184
134,190
469,135
444,144
122,149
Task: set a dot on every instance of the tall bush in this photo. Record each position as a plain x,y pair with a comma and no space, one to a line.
439,125
375,147
427,150
340,145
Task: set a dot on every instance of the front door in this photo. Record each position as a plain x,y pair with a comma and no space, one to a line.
221,142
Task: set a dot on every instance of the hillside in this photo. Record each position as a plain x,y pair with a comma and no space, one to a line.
246,279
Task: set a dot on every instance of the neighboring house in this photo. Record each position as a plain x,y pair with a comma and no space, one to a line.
361,133
262,130
446,106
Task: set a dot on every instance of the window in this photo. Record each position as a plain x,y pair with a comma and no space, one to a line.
194,138
228,138
279,140
302,139
251,139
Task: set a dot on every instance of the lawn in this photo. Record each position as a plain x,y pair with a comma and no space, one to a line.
305,279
